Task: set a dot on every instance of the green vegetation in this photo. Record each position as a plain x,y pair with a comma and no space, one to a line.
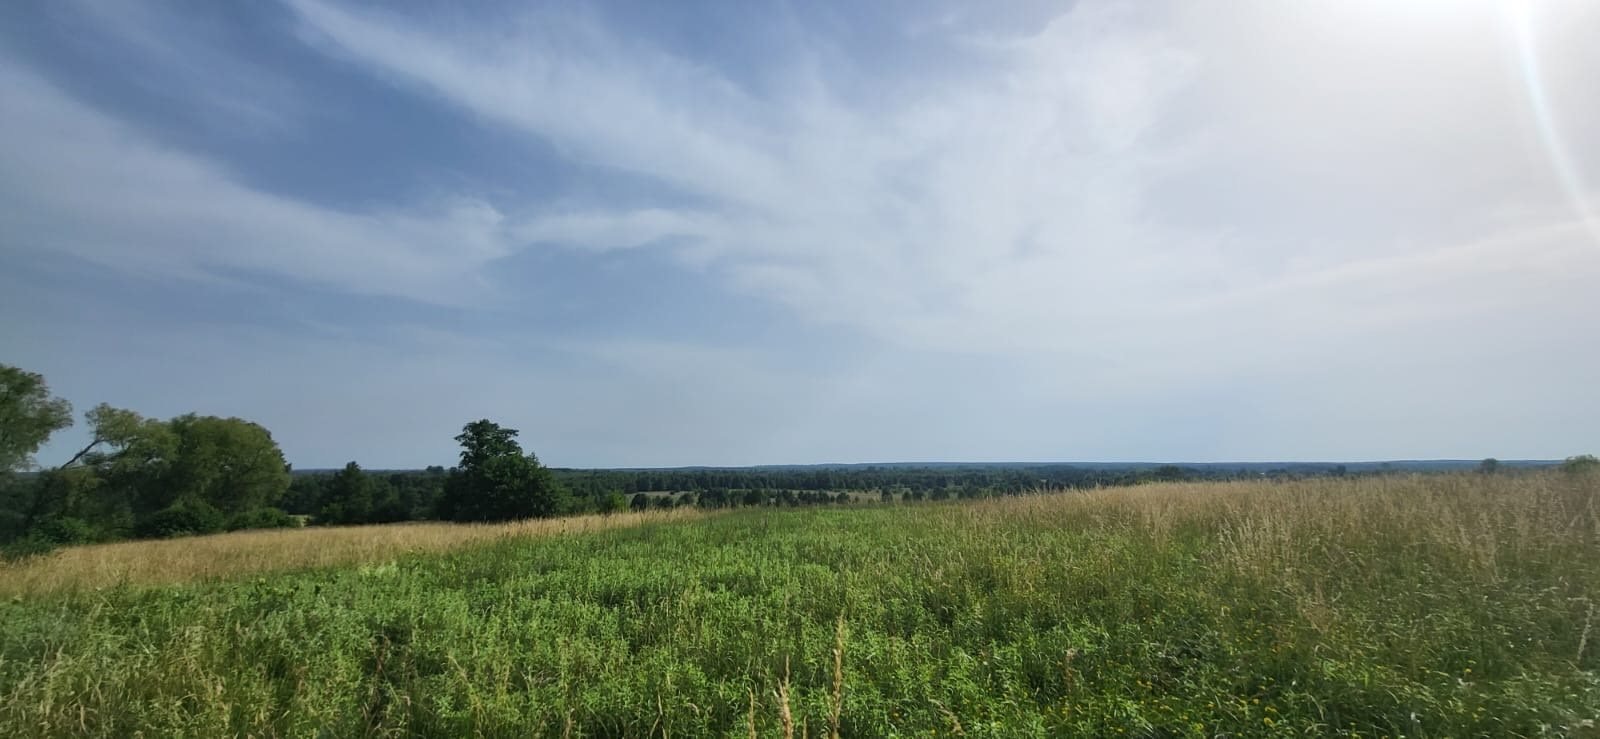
29,414
496,481
1450,605
146,478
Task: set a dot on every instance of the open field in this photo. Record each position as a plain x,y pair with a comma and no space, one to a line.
1458,605
244,553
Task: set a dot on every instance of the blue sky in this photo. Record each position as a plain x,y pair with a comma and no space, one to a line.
767,232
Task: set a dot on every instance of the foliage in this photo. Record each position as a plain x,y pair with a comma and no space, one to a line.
1418,606
28,416
230,463
614,502
27,547
261,518
1583,464
484,440
184,518
396,496
349,497
142,476
65,530
496,481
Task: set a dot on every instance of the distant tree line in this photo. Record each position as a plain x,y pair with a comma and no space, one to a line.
193,474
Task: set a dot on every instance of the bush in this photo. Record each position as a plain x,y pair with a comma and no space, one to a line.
1581,464
261,518
614,503
12,525
184,518
31,545
64,531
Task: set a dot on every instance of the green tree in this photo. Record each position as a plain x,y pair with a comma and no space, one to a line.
147,466
614,502
28,416
1489,466
1581,464
349,497
496,481
1168,473
115,432
483,440
229,463
99,483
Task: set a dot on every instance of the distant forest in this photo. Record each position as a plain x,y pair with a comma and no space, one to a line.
141,477
414,495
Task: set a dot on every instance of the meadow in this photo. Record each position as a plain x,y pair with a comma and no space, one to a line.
1417,606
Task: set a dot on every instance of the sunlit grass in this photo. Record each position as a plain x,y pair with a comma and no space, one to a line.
1459,605
245,553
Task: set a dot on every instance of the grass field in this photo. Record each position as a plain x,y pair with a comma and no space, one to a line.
1407,606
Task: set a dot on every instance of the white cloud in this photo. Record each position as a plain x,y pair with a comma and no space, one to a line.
73,181
1138,231
1049,203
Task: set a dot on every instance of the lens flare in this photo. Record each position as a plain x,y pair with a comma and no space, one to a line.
1555,146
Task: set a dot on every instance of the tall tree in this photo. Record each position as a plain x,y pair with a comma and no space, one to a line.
349,497
115,432
483,440
230,463
100,483
496,481
28,416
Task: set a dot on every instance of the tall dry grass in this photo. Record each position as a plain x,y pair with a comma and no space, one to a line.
1449,605
247,553
1484,523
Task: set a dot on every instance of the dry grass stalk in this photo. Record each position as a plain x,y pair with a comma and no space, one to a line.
751,716
837,704
784,717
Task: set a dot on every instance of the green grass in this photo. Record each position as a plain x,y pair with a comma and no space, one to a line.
1445,606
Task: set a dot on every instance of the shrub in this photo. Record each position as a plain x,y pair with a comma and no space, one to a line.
261,518
184,518
64,530
614,503
1581,464
31,545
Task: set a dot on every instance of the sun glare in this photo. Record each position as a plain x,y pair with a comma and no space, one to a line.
1521,17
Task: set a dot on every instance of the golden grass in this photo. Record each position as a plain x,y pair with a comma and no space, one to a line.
1488,522
1485,522
245,553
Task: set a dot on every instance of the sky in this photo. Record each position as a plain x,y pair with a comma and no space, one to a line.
769,232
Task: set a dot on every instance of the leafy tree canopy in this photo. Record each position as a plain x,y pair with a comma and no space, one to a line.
28,416
349,497
484,440
1582,464
496,481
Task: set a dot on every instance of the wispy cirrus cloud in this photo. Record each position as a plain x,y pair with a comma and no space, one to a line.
74,181
1035,205
1104,230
